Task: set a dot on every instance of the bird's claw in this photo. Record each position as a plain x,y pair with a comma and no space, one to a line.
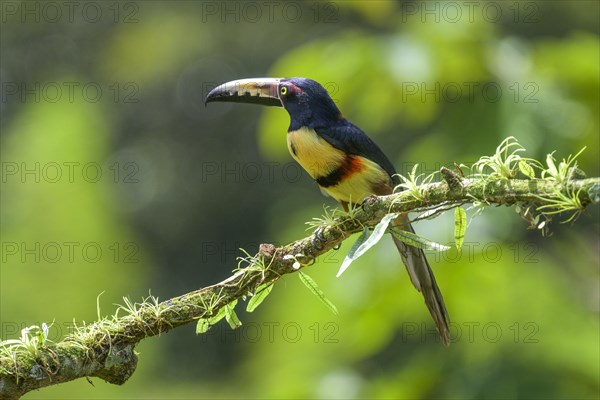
365,202
318,239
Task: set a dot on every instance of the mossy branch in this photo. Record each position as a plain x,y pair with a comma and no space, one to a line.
105,348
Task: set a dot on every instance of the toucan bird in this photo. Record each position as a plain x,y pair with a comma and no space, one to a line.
346,164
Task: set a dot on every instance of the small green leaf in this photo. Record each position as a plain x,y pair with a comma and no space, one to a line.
526,169
313,287
261,293
418,241
352,254
460,226
202,326
205,323
371,241
231,316
218,316
380,229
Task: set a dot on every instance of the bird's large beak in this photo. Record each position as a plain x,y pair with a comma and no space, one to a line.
263,91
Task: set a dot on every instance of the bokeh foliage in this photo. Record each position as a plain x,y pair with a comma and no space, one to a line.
524,308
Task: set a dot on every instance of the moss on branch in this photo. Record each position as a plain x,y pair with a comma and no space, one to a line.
105,348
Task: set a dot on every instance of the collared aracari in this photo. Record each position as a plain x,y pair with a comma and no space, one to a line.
346,164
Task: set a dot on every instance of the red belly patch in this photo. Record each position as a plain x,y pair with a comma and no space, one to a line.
351,165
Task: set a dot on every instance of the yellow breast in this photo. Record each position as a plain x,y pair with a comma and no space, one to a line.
313,153
361,178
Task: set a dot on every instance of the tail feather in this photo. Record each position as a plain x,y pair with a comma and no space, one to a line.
423,279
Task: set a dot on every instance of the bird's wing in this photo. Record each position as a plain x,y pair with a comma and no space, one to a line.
351,139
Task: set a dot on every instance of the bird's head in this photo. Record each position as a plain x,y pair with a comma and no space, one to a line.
307,102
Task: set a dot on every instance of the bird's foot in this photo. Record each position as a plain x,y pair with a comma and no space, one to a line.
367,201
318,239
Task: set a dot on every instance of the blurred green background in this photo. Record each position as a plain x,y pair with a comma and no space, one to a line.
117,180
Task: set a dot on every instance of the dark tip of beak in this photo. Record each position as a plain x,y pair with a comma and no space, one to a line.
212,95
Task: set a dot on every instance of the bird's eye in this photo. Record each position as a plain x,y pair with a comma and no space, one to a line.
283,90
